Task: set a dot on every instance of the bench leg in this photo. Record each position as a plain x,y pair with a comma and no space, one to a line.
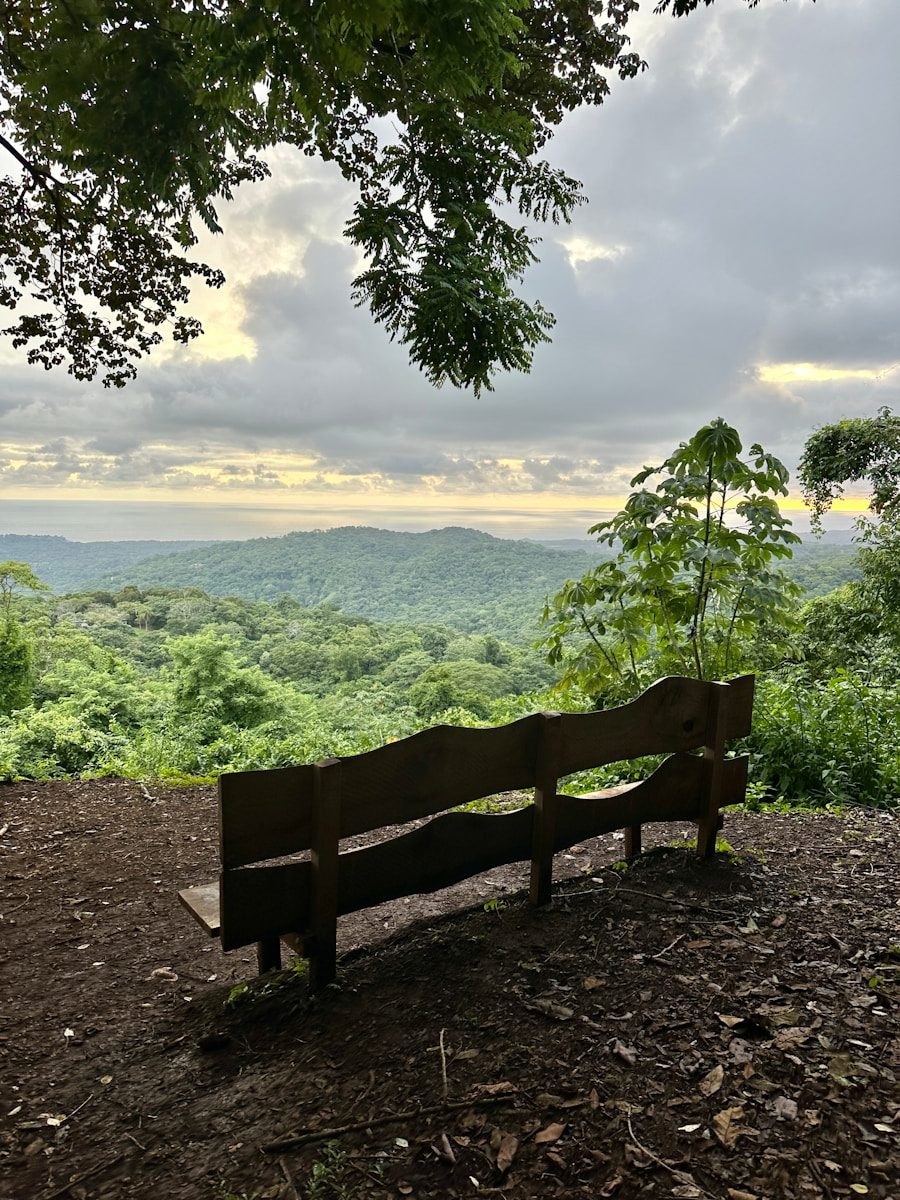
268,955
632,841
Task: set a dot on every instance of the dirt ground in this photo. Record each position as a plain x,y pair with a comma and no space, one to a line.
680,1029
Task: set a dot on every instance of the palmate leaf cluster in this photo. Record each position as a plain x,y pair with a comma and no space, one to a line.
124,123
694,587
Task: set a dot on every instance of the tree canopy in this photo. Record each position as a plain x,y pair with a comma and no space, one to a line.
694,587
853,450
125,123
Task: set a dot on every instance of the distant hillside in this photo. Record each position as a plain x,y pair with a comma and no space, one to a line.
459,577
66,565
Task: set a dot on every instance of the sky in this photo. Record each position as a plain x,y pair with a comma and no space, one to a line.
739,257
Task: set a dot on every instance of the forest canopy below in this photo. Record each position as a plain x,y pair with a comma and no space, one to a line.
460,577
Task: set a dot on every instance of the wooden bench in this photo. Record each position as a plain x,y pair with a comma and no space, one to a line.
280,813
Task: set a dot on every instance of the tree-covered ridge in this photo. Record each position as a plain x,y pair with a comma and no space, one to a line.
461,577
66,565
465,578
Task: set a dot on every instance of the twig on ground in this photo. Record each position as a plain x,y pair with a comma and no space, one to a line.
682,1176
80,1107
444,1084
303,1136
76,1179
670,946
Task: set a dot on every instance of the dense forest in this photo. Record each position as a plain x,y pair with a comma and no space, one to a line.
66,566
459,577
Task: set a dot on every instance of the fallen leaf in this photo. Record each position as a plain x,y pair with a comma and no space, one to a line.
557,1159
859,1188
777,921
552,1133
628,1054
611,1186
592,982
686,1191
729,1020
163,973
785,1109
509,1146
711,1083
495,1089
688,1128
737,1194
551,1009
726,1125
741,1052
790,1038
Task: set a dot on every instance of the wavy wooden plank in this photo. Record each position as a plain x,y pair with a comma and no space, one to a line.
674,792
264,814
669,717
437,769
267,814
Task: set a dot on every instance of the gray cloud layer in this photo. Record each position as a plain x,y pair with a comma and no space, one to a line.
749,182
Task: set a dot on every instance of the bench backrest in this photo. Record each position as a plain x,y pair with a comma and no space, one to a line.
278,813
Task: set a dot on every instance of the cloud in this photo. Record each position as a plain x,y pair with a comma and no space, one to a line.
742,219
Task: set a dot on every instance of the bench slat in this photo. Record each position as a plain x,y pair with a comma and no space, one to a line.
202,902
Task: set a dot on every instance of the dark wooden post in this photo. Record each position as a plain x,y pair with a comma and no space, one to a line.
326,823
632,841
545,805
268,955
714,753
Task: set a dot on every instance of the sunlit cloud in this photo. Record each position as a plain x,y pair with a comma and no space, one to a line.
807,372
581,250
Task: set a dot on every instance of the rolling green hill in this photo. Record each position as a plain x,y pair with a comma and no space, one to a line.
459,577
65,565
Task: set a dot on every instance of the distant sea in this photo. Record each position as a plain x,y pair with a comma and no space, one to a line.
105,520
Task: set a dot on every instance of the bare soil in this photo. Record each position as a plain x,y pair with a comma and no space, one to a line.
684,1029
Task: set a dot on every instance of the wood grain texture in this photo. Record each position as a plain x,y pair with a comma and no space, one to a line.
669,716
714,755
268,814
202,903
437,769
262,901
739,721
264,814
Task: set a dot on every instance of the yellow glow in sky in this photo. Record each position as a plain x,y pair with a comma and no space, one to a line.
806,372
583,249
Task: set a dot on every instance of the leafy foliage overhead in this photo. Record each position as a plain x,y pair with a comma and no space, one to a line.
125,123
